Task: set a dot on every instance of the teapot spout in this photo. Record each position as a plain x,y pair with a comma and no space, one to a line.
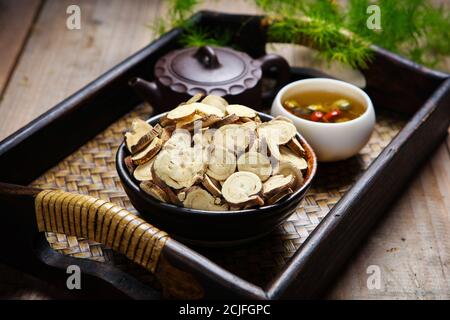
148,91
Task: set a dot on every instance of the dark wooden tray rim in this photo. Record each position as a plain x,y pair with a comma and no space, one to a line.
392,81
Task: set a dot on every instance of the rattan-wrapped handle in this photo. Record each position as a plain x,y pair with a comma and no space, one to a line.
181,272
101,221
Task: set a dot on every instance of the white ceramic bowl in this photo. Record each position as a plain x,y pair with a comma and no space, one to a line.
330,141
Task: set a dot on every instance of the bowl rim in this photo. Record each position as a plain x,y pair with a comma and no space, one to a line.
126,178
361,118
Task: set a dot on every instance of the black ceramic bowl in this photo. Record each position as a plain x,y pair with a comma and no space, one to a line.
213,228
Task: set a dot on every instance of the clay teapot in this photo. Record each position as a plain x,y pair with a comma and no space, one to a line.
221,71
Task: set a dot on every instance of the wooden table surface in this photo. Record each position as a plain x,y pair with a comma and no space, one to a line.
42,62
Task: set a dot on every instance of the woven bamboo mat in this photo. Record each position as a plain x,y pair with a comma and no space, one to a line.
91,170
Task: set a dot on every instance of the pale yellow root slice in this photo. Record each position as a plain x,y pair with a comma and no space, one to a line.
181,195
234,137
200,199
221,164
212,186
182,112
240,187
195,98
180,139
187,121
253,201
261,145
149,152
273,147
171,195
252,125
287,168
296,147
215,101
279,131
203,138
288,155
178,168
267,147
229,119
255,147
257,163
279,196
283,118
277,184
245,119
152,189
206,109
140,136
143,172
202,122
241,111
179,172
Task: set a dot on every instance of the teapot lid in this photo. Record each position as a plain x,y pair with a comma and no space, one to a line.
208,70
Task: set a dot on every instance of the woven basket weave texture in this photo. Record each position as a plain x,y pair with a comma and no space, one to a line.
91,170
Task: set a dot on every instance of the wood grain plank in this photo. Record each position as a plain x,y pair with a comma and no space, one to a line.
411,245
16,19
57,61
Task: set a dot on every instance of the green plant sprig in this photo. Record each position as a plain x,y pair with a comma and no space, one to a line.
195,36
330,41
413,28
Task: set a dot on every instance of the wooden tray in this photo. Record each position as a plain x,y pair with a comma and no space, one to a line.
72,148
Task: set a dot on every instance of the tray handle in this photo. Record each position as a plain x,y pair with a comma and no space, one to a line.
181,272
101,221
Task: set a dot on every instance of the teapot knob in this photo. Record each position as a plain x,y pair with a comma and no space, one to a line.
207,57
